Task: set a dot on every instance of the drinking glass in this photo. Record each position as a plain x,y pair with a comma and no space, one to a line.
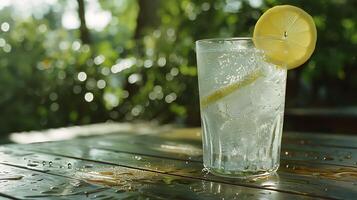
242,98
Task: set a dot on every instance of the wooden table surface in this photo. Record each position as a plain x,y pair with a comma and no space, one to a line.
168,165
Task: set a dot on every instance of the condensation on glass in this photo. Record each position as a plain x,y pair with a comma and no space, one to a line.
242,99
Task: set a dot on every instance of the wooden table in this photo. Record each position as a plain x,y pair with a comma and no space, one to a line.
168,165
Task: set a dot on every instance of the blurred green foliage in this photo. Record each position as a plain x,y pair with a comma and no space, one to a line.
49,78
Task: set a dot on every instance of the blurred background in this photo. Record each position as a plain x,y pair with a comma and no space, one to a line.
74,62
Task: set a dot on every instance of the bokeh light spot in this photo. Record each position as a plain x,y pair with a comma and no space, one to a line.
137,110
174,71
88,97
5,27
122,65
54,107
205,6
101,84
134,78
7,48
161,61
82,76
76,45
99,59
170,97
148,63
53,96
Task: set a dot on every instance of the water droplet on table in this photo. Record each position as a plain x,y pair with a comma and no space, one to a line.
205,171
10,177
69,166
328,158
32,164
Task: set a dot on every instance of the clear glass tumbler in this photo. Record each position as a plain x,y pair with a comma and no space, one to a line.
242,99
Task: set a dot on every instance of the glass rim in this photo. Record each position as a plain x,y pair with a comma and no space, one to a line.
228,39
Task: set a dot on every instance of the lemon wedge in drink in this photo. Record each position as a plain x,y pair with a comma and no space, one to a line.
287,34
218,94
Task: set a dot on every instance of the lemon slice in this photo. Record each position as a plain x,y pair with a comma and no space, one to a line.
225,91
287,34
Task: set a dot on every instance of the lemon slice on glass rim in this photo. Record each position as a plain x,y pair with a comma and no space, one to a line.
287,34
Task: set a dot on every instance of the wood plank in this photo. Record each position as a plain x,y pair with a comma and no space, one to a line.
304,182
36,184
190,150
128,182
6,197
320,139
319,154
334,140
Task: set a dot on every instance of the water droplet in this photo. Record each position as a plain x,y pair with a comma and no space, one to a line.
137,157
287,166
31,164
205,171
325,189
43,163
286,153
10,177
50,163
69,166
186,162
328,158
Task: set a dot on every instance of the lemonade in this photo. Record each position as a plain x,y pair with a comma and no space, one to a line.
242,130
242,91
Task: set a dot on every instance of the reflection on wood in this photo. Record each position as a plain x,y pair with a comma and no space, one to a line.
169,166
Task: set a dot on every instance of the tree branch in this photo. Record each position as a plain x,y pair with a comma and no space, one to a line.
85,36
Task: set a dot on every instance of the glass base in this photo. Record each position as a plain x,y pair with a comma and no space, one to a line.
242,174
